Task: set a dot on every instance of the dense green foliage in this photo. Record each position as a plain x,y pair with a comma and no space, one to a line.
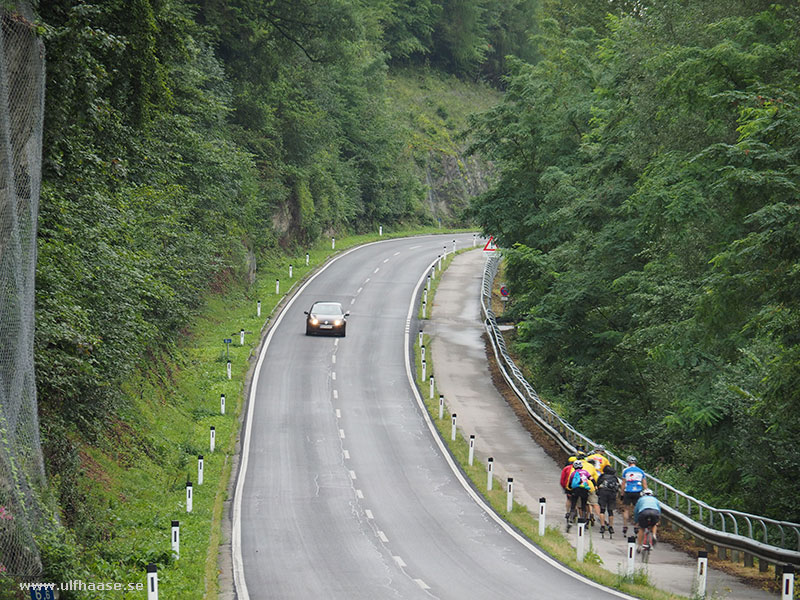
189,143
649,176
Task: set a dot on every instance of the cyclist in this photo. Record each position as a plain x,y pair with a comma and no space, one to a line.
635,481
607,492
647,514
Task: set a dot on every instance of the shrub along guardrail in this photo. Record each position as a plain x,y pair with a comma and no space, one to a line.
770,540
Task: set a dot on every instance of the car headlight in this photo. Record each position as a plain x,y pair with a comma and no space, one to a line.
337,322
314,320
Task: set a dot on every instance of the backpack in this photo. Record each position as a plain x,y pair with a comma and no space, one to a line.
580,479
608,482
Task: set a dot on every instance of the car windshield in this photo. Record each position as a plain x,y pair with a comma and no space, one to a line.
327,308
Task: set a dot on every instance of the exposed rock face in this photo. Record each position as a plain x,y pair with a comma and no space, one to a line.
451,181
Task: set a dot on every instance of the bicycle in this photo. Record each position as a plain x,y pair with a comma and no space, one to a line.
648,541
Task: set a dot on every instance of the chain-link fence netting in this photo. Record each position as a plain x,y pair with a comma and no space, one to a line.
22,476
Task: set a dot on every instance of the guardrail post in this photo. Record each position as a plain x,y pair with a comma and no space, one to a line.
471,448
702,574
763,565
581,543
176,539
542,515
787,585
631,556
489,469
152,582
748,560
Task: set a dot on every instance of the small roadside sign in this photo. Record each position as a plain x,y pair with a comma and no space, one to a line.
504,291
490,246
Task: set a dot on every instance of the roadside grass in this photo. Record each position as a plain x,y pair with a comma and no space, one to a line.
134,480
553,542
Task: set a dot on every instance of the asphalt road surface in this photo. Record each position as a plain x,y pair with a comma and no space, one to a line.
343,491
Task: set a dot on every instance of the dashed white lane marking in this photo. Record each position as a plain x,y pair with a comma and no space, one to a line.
395,254
346,454
352,301
335,342
400,562
338,413
358,292
367,280
353,475
333,375
414,247
335,394
333,359
369,514
360,494
376,270
383,537
387,260
422,584
341,435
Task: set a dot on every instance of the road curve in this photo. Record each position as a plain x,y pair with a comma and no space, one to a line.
343,491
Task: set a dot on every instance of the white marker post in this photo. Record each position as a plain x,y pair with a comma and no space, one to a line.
152,582
199,469
188,496
420,337
489,476
440,260
307,257
241,337
429,282
424,367
471,448
212,439
787,586
424,295
424,310
222,404
422,353
510,495
542,515
176,539
444,254
453,428
380,230
474,239
454,246
430,394
230,374
631,556
291,269
277,286
581,544
441,407
258,308
702,574
333,243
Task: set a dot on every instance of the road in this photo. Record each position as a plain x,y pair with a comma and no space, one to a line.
343,490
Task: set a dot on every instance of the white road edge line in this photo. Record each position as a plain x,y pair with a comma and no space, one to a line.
383,537
457,472
422,584
239,582
400,562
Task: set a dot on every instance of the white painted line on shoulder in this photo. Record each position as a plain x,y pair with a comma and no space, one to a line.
400,562
346,454
341,435
422,584
333,358
335,394
338,413
333,375
353,475
369,514
383,537
360,494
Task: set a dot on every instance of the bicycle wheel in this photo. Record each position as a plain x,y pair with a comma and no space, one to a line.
647,545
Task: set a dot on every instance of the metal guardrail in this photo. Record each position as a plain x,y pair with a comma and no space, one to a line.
768,539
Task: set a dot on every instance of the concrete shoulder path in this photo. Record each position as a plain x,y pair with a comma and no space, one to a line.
463,376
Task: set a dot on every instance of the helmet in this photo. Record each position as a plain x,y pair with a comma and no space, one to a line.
647,492
631,459
577,464
599,448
